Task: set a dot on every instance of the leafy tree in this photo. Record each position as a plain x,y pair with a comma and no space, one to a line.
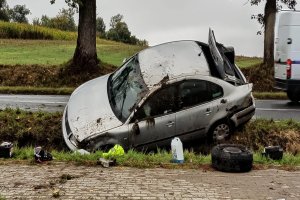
100,27
4,11
85,56
64,20
268,21
119,30
18,14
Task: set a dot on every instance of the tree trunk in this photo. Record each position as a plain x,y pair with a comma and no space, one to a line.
269,20
85,56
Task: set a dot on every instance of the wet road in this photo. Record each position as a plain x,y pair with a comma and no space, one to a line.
275,109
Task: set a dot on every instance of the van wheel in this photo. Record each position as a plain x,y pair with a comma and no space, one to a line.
231,158
220,131
293,95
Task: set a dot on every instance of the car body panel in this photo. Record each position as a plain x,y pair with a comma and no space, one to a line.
89,110
171,60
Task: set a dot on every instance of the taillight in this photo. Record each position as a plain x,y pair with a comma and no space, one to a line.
289,68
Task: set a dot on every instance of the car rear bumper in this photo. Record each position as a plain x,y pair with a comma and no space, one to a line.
287,84
243,116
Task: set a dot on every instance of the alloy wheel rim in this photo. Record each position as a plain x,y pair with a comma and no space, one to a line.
221,132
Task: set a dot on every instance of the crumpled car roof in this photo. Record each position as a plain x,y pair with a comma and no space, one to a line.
172,60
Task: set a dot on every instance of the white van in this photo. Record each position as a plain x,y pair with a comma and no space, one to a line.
287,53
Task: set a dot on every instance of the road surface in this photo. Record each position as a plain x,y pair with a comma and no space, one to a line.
269,109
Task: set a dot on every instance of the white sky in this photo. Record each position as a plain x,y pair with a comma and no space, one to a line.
160,21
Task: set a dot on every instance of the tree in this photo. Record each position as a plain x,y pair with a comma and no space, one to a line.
100,27
64,20
119,30
4,11
18,14
85,55
268,21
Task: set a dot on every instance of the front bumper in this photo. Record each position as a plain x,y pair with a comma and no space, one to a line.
243,116
67,134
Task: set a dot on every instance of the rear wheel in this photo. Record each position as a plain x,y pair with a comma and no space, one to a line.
294,95
220,131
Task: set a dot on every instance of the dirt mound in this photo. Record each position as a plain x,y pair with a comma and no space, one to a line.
45,76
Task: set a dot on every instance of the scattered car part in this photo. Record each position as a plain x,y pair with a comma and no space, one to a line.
273,152
177,89
231,158
6,150
177,150
106,163
41,155
82,152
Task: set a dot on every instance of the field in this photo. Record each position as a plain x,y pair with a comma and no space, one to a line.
56,52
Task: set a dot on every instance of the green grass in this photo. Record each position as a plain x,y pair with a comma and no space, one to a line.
56,52
161,158
35,90
270,95
244,62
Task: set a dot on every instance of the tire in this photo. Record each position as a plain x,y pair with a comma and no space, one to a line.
220,132
231,158
293,95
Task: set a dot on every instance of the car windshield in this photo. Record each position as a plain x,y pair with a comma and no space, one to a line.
126,88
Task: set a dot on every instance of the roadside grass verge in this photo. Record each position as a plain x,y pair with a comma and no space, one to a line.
36,90
269,95
161,158
41,128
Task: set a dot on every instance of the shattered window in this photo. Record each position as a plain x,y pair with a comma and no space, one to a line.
127,88
161,103
193,92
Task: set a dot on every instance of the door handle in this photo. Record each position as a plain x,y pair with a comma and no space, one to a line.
170,124
208,111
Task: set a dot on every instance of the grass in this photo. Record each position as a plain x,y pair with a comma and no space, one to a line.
41,128
161,158
245,62
36,90
268,95
56,52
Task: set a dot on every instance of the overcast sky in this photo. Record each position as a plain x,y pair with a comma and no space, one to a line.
160,21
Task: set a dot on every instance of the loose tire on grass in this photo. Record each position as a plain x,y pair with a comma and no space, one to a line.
231,158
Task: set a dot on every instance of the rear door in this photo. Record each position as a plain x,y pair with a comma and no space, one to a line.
223,66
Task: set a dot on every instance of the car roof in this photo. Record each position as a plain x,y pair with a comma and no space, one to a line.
170,60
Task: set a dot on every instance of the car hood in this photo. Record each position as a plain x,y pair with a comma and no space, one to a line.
89,110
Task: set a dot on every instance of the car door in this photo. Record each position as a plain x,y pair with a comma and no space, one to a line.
222,64
195,109
154,122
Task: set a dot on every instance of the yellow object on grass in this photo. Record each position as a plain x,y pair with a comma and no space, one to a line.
114,152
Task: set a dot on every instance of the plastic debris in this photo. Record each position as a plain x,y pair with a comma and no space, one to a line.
273,152
41,155
6,150
113,153
177,150
106,163
82,152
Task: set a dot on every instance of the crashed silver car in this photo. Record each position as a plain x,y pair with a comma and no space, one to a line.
184,89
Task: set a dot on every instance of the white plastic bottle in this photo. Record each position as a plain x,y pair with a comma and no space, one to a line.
177,150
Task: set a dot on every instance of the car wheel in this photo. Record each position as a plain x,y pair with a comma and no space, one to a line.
294,96
231,158
220,131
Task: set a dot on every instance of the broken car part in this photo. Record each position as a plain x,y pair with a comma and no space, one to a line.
6,150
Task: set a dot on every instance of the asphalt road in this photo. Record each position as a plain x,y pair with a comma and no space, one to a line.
275,109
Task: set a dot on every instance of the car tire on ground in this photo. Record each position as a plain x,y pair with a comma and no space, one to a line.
231,158
220,131
293,95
